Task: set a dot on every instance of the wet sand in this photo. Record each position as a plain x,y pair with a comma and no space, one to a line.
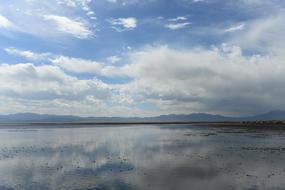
158,157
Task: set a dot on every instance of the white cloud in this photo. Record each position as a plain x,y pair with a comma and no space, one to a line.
5,23
48,89
71,64
197,1
27,17
66,25
123,24
235,28
254,2
129,2
263,35
28,81
177,23
28,54
83,4
177,26
219,80
77,65
113,59
180,18
69,3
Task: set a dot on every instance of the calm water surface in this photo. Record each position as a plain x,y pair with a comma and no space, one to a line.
158,157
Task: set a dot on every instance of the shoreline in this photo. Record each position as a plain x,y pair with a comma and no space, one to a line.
248,124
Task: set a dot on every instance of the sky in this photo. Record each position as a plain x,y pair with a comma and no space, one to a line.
142,57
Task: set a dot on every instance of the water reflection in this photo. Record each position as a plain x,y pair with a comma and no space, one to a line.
142,157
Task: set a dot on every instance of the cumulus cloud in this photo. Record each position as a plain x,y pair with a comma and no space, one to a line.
221,80
244,76
4,22
66,25
47,82
26,87
218,80
123,24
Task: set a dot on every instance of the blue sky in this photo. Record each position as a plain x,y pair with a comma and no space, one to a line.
141,58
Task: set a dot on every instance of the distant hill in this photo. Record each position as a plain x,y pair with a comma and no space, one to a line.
192,117
273,115
195,117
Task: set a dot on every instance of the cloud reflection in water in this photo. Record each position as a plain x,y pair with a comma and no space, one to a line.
141,157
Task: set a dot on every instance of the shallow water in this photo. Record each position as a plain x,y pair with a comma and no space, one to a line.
158,157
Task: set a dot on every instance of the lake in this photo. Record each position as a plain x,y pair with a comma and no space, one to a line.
158,157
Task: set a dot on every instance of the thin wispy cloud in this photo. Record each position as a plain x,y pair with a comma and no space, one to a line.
177,23
180,18
29,55
197,1
74,18
112,1
113,59
66,25
235,28
84,5
177,26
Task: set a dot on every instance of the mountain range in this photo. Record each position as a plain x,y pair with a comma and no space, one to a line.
195,117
